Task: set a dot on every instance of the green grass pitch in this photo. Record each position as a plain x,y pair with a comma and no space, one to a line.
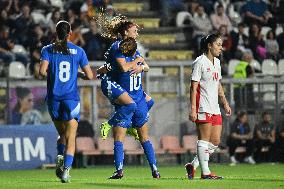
264,176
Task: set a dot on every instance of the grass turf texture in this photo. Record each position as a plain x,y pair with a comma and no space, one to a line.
173,177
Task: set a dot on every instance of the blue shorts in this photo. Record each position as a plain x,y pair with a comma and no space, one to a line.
111,89
64,110
141,115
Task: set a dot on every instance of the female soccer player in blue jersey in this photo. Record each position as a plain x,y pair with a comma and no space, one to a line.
123,87
205,111
59,63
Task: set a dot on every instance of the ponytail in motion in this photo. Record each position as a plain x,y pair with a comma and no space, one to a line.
63,29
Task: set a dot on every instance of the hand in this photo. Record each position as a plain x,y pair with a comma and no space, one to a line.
228,110
192,116
136,70
140,59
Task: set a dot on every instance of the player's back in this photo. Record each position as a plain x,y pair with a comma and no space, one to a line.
62,71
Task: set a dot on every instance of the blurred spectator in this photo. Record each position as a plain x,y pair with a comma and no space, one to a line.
55,17
169,9
76,36
240,41
23,112
280,40
110,12
272,46
227,43
11,6
6,46
72,17
280,143
201,26
241,135
22,25
96,45
265,138
5,20
256,11
36,40
256,42
243,94
220,18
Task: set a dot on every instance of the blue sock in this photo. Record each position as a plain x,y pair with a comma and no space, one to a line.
118,155
150,103
150,154
68,160
60,149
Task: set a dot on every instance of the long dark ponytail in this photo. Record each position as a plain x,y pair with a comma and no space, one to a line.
63,28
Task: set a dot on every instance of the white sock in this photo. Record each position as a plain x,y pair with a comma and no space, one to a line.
203,156
211,149
195,162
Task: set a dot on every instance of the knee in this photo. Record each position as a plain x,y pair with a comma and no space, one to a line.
131,107
150,103
215,142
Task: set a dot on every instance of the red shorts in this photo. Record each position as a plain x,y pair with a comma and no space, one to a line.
214,119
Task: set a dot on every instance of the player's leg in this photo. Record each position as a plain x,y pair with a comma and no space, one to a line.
71,113
139,120
118,135
70,135
61,144
116,95
149,100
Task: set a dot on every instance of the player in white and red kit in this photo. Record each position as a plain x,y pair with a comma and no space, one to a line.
205,111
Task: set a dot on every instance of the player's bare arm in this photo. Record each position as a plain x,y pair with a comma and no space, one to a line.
87,73
193,92
224,101
43,68
125,67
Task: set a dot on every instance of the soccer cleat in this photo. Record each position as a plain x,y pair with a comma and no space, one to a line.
117,174
133,132
66,178
105,128
156,174
190,170
211,176
59,165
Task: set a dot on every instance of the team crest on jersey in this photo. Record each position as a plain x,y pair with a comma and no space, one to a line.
208,69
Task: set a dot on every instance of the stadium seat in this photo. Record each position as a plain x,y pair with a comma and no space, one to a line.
132,147
264,31
268,87
232,65
85,147
171,145
269,67
189,143
17,70
156,145
279,30
105,146
181,17
256,64
281,66
19,49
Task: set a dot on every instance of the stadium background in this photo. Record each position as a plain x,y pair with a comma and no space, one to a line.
169,32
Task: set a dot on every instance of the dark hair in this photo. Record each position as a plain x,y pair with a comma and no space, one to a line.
21,93
264,114
241,24
128,46
63,28
268,33
209,39
121,27
241,114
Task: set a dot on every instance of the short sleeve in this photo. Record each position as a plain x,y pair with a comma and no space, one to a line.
44,54
84,60
196,71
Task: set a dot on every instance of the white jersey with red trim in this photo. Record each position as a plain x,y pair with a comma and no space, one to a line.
208,76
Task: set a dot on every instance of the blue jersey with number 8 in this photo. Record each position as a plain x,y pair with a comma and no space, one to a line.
62,71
